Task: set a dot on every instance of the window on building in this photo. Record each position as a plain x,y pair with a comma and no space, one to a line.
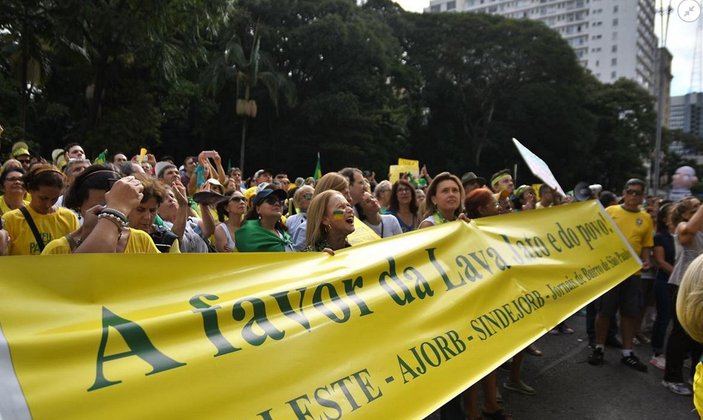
451,5
614,48
615,22
613,75
615,8
614,62
436,8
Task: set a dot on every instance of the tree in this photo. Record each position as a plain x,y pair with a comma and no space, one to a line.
626,127
232,65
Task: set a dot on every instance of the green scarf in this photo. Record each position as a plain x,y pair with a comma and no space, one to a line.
252,237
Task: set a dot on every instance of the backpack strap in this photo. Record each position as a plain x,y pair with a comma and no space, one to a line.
33,227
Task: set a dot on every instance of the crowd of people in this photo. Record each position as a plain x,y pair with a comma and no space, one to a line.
141,205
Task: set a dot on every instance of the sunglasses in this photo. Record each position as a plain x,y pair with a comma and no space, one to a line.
307,196
237,199
272,201
634,192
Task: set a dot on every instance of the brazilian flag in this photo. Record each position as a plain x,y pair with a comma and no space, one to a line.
318,169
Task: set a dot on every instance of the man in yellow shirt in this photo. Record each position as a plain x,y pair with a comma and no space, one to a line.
637,228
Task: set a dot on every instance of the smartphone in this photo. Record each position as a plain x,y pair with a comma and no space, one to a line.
209,154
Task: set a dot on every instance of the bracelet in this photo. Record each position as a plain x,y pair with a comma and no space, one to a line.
114,219
116,213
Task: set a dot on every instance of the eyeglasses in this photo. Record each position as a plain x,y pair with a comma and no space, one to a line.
272,201
237,199
307,196
634,192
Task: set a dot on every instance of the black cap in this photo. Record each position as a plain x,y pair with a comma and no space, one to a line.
263,194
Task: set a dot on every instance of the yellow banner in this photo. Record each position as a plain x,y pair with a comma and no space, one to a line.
388,329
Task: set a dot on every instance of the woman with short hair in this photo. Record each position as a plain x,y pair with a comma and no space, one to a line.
14,192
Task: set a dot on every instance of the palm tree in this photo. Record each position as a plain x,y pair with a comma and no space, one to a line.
247,72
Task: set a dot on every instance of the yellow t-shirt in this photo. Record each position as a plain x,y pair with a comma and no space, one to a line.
637,227
50,227
139,242
698,389
4,208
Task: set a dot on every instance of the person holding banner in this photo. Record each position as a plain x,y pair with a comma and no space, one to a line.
445,197
330,221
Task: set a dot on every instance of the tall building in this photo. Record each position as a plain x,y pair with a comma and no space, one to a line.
611,38
687,113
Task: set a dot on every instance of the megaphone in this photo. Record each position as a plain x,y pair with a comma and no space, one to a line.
582,191
596,189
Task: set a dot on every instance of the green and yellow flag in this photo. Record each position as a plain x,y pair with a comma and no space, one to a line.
318,169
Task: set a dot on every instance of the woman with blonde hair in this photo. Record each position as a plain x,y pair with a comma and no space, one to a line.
689,311
330,221
301,201
382,192
443,204
329,181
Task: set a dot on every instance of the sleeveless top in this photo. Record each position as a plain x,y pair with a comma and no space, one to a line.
228,235
685,254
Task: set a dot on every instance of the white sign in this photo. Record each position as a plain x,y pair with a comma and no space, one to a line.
538,167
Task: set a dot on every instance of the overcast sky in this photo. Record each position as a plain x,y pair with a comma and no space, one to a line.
681,41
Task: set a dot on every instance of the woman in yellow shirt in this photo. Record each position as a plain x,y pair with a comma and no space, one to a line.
45,183
104,200
12,184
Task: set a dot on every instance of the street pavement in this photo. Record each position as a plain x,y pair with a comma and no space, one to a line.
569,388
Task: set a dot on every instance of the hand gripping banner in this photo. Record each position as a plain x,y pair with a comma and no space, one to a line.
393,327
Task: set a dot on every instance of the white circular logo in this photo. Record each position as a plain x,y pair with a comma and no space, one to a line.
689,10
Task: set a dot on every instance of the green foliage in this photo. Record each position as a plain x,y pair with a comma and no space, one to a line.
361,85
